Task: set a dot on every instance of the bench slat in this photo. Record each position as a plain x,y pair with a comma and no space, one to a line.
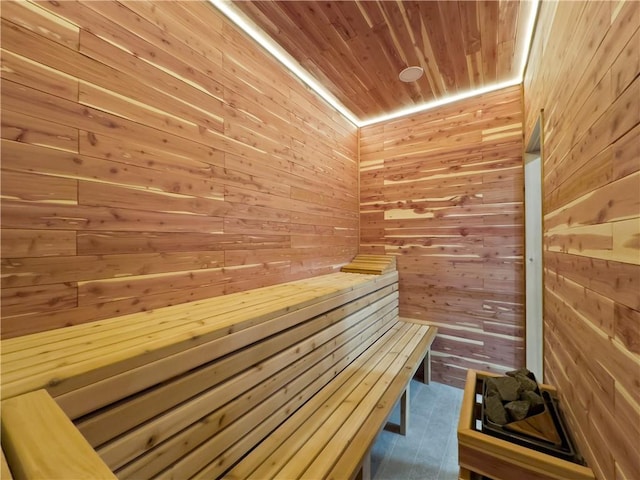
140,328
41,442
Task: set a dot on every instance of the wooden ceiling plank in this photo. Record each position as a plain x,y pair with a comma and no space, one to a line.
396,28
373,11
507,29
507,20
337,20
414,24
267,20
470,28
403,33
344,41
471,38
282,25
395,63
505,61
524,10
352,13
488,13
436,35
327,70
431,72
452,27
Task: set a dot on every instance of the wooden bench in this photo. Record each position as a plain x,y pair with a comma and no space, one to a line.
41,442
188,390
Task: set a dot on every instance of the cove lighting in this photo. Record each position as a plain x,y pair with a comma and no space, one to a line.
246,25
283,57
437,103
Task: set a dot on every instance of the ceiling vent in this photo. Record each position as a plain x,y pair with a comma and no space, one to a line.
411,74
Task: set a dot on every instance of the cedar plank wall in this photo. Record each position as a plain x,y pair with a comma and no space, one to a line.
443,190
153,155
583,71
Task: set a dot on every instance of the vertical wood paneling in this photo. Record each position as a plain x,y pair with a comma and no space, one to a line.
153,155
584,74
443,190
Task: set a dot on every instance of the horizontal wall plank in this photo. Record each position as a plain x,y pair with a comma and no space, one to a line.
110,242
80,217
37,243
39,188
27,72
45,298
47,270
18,127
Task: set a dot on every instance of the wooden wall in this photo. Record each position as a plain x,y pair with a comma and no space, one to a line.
443,190
152,155
583,71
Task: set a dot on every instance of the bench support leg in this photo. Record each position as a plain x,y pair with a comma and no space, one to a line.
365,468
404,411
426,363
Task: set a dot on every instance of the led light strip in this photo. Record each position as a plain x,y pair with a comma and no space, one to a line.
246,25
283,57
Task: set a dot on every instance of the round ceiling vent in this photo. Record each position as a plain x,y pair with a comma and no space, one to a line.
411,74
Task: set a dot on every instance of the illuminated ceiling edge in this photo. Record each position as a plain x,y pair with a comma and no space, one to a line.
241,21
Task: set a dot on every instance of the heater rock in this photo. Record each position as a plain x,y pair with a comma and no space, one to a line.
520,371
507,388
495,410
533,398
518,409
523,377
526,383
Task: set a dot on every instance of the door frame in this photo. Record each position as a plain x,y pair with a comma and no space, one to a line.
533,260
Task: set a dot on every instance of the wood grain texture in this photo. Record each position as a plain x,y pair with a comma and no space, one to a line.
443,191
460,45
200,384
154,155
41,442
584,75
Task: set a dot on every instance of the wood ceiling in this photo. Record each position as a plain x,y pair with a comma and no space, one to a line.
356,49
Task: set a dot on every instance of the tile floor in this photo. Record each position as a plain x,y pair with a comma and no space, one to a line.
429,451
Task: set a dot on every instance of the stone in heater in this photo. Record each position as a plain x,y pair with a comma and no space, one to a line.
508,388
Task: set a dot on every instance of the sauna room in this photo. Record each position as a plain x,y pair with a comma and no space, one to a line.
320,239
